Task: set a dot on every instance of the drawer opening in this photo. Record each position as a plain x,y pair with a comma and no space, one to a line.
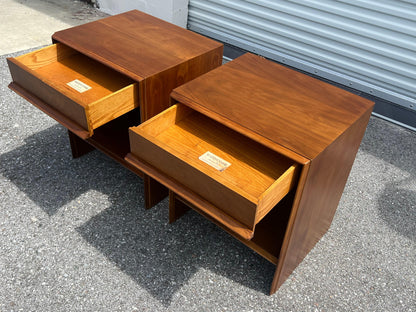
77,86
113,137
256,179
269,235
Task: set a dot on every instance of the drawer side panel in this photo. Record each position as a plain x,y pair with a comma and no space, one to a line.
279,189
113,106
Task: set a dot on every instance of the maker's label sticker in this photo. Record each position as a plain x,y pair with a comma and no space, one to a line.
78,85
214,161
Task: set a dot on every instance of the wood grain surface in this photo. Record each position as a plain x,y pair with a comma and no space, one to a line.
137,44
279,105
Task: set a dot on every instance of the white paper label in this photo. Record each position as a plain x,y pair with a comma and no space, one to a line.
214,161
78,85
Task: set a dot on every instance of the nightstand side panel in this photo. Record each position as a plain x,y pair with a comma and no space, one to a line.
318,201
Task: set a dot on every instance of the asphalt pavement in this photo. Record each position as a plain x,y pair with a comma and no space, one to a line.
74,234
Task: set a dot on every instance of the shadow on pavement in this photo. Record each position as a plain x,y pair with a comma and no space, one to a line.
44,170
160,257
397,207
395,146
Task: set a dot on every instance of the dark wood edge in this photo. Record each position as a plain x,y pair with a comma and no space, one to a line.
79,147
198,203
288,235
154,192
50,111
177,208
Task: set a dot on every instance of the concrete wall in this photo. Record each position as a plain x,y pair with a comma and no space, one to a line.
173,11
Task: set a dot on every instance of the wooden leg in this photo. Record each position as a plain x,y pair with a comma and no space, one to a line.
154,192
176,207
79,147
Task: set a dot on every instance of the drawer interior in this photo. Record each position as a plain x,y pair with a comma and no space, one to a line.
188,134
57,65
76,90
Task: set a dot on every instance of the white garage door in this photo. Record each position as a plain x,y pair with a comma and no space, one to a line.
368,45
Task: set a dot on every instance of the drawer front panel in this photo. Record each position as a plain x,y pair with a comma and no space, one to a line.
220,196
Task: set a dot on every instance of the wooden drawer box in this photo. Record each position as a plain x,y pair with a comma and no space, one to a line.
256,179
85,91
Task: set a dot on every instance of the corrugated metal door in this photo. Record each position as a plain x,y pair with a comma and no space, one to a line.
368,45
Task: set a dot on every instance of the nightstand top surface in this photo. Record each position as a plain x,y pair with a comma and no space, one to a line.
137,44
258,97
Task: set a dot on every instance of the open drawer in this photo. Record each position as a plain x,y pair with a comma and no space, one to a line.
64,82
237,178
